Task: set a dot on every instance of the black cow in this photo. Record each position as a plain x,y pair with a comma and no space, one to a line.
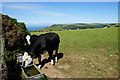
44,42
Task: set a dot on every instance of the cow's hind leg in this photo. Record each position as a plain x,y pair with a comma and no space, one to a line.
56,52
51,57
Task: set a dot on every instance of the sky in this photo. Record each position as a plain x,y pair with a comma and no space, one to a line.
60,0
47,13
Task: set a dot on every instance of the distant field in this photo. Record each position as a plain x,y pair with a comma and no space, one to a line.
89,53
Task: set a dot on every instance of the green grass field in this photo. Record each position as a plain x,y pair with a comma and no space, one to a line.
89,53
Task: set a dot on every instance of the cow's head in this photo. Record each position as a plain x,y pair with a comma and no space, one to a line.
30,39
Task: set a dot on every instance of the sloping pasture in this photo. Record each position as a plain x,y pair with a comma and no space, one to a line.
89,53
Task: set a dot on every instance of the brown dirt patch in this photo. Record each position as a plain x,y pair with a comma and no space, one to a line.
36,61
51,72
66,66
102,49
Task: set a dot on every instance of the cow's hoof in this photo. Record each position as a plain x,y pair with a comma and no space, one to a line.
56,59
39,66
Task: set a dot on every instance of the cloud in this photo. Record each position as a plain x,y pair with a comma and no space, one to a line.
37,8
51,13
23,6
18,6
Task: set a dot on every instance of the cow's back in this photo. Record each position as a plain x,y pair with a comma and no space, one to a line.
49,40
52,41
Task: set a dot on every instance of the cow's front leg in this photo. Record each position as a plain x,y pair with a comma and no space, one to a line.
39,66
51,57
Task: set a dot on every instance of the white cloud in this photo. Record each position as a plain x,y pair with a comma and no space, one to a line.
51,13
18,6
39,9
23,6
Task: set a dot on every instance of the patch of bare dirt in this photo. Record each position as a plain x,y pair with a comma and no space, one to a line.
66,66
51,72
36,61
102,49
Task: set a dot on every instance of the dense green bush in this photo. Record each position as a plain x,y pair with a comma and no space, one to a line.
8,56
14,33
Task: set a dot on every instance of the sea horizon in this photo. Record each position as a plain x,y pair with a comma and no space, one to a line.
33,28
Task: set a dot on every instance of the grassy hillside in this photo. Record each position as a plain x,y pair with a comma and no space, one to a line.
61,27
52,28
89,53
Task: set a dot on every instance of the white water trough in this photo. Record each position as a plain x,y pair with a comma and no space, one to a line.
31,71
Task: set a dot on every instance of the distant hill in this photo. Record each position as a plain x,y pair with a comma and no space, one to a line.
60,27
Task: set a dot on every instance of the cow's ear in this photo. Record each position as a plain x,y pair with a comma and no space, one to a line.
26,35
